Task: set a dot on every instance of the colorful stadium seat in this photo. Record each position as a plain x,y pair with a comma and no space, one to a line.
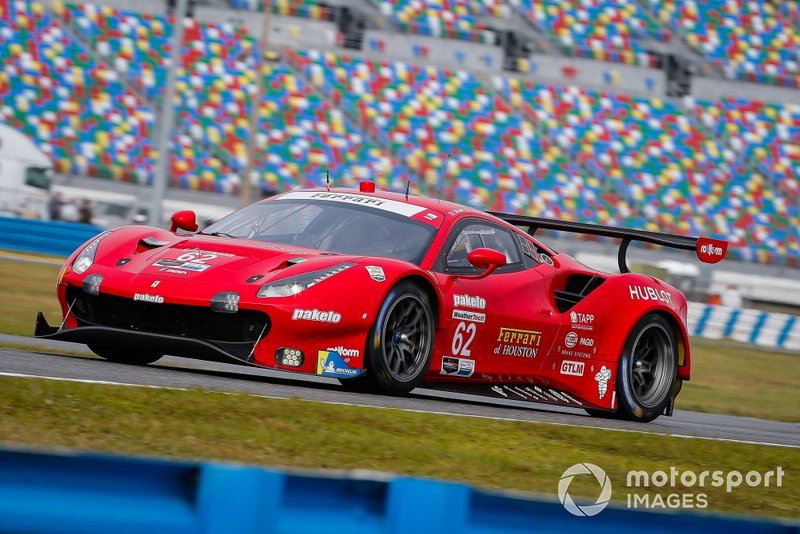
750,40
452,19
607,30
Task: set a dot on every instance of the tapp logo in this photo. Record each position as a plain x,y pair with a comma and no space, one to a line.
316,315
468,301
144,297
581,318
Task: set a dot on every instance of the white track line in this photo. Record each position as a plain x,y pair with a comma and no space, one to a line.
411,410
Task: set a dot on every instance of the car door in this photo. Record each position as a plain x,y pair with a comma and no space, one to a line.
500,326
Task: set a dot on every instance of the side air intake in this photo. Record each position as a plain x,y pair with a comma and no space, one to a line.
578,287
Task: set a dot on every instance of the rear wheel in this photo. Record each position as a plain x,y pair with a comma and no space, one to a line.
125,355
647,369
400,343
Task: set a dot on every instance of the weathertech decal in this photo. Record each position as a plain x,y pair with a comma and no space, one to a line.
402,208
464,315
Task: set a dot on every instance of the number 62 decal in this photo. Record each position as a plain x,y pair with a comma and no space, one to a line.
460,345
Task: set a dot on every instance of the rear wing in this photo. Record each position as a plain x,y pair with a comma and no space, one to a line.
707,249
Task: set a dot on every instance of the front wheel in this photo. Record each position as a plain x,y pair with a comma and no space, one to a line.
400,343
647,369
125,355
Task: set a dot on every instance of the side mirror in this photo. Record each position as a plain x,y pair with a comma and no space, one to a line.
484,258
184,220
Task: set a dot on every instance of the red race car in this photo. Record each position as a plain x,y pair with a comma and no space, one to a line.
386,292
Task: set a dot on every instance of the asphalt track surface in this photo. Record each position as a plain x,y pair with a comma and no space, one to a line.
172,372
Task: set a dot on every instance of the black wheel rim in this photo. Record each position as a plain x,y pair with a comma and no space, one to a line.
406,338
651,365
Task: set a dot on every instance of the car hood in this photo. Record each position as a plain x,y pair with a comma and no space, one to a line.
205,258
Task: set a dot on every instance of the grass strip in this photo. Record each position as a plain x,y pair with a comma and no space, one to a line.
293,433
726,379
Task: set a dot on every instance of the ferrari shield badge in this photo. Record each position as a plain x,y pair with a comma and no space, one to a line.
376,273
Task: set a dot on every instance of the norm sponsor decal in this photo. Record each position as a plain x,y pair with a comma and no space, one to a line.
316,315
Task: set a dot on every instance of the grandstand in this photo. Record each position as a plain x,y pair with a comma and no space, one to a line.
579,109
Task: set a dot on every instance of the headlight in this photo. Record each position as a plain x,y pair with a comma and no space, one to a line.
295,284
86,258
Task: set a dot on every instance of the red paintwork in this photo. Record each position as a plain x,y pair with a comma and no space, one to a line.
519,307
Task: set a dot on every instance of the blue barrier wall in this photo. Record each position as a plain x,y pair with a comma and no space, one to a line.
777,330
44,237
81,493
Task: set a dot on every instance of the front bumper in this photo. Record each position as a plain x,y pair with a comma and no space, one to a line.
217,351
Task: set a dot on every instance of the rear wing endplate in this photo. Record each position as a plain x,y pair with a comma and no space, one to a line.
708,250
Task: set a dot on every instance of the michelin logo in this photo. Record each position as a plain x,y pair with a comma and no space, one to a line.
330,363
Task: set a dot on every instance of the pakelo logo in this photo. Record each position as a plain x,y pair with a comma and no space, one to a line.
468,301
572,368
144,297
316,315
571,340
586,510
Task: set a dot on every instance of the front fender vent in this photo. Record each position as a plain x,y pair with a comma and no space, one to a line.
578,287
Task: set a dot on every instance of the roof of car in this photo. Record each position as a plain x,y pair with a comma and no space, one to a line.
441,206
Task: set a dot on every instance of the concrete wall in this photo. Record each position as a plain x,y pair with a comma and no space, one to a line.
443,52
602,75
283,31
715,89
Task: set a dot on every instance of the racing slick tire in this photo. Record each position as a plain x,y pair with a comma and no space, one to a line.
400,342
647,371
125,355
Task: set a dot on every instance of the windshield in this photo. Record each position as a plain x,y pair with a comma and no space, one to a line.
330,226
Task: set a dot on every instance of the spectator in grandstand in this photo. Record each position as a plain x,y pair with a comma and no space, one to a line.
731,297
69,212
54,206
85,212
